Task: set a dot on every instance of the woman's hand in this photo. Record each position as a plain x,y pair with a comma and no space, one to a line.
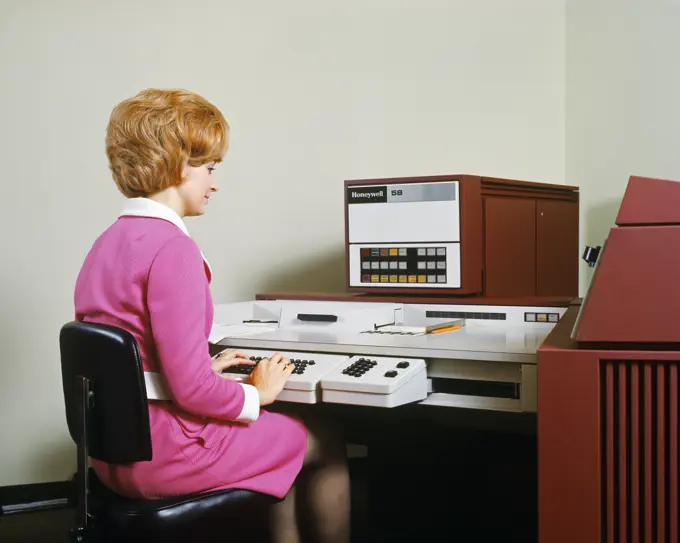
227,359
270,376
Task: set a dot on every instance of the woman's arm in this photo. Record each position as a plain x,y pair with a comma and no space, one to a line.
176,299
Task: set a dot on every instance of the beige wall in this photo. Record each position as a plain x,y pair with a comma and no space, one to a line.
316,92
623,109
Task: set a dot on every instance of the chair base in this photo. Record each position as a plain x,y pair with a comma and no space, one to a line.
78,535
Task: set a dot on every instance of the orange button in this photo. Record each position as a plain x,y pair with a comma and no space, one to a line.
411,278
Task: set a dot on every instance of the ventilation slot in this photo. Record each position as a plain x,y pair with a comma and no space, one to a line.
464,315
639,422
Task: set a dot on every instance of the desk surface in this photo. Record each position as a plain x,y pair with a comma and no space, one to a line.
488,341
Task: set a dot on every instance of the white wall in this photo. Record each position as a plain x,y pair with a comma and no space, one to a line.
623,113
316,92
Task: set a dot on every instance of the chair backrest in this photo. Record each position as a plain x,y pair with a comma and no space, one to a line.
118,431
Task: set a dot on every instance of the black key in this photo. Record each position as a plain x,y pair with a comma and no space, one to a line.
403,364
391,373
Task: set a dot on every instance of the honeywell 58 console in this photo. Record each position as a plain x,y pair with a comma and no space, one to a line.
461,235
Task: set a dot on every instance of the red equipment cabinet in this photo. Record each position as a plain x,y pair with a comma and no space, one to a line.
608,379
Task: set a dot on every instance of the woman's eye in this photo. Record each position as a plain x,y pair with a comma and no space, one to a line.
210,170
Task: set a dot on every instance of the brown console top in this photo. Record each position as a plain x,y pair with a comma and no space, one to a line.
542,301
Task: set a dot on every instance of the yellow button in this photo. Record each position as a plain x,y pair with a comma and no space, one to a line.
375,278
394,252
411,278
393,278
422,278
402,279
384,279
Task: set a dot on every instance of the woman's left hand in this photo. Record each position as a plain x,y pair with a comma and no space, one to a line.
226,359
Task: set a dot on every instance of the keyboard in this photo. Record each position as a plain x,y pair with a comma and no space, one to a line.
376,381
303,384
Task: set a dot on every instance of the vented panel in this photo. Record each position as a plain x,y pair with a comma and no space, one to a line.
465,315
639,422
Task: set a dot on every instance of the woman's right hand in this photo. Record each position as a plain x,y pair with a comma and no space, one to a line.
270,376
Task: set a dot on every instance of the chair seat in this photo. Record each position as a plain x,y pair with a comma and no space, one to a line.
226,516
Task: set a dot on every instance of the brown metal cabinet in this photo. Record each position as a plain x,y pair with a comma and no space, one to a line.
557,247
530,239
515,238
510,248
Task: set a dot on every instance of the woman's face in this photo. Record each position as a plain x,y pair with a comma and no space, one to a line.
198,186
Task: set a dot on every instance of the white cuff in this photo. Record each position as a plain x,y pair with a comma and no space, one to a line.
251,404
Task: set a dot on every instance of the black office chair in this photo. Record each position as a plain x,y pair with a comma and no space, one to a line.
108,419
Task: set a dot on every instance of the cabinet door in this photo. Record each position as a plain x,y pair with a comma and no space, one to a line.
557,248
510,246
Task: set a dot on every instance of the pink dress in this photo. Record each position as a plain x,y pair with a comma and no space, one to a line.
147,276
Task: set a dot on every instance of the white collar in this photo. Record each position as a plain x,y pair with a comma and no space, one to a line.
145,207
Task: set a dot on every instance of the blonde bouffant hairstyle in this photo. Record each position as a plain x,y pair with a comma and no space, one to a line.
154,134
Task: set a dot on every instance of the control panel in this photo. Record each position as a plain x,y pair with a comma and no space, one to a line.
390,265
376,381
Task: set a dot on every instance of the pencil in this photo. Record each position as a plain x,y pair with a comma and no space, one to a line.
446,329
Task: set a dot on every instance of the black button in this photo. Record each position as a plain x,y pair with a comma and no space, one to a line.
391,374
403,364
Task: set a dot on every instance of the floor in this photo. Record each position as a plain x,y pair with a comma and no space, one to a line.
46,527
485,491
489,512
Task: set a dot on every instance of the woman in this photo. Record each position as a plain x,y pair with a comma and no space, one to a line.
147,276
